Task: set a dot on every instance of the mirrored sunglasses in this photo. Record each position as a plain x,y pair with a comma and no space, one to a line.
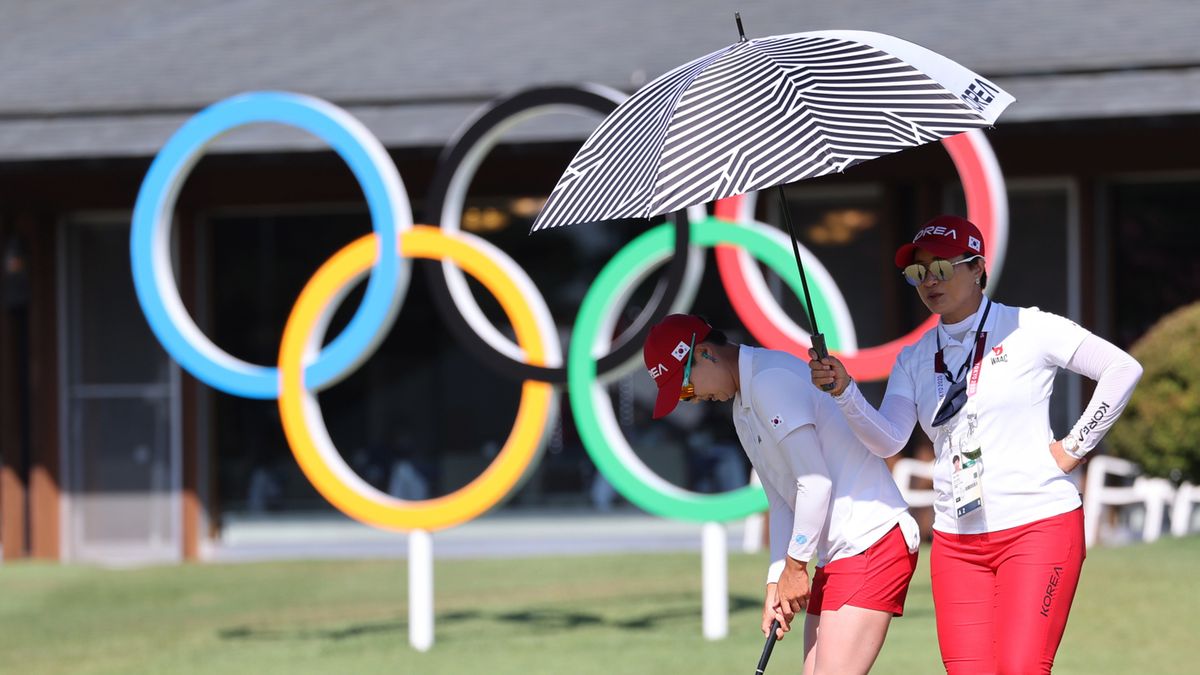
942,270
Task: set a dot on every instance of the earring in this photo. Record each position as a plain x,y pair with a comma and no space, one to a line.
976,281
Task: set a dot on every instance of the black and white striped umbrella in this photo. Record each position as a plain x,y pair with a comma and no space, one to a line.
766,112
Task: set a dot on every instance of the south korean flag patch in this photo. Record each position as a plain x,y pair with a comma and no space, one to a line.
681,351
776,421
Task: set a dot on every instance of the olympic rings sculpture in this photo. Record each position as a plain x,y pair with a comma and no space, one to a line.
535,358
150,240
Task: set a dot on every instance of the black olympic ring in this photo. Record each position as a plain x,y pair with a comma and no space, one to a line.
499,111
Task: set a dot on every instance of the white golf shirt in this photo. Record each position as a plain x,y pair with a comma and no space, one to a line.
1024,348
828,493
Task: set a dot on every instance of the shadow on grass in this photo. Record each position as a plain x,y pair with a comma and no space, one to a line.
334,634
544,619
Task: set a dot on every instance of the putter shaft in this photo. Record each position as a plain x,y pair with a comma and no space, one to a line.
766,653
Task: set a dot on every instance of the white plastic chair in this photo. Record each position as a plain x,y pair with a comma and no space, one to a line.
1186,496
904,471
1152,493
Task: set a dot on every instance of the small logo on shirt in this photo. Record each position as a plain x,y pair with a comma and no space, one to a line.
681,351
998,355
800,540
776,421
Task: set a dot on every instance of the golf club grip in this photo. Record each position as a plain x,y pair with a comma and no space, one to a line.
822,351
766,654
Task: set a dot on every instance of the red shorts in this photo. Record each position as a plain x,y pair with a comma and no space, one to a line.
877,578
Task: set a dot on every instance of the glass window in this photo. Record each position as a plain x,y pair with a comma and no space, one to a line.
1156,253
104,301
848,229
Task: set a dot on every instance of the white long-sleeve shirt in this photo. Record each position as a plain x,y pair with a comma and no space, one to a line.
1025,347
828,495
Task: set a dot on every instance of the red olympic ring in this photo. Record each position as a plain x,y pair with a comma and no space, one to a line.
987,207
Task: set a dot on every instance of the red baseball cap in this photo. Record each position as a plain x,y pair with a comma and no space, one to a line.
945,237
666,352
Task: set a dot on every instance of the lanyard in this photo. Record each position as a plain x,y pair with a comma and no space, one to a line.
975,360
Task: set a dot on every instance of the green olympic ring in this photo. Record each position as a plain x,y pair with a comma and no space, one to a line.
590,402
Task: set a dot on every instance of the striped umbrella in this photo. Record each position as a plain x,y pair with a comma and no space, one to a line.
766,112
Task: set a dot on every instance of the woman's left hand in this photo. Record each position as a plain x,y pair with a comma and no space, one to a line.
1064,461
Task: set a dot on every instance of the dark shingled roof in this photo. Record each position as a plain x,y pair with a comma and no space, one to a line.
115,78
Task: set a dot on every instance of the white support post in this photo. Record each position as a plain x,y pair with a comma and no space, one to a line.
715,573
752,535
420,590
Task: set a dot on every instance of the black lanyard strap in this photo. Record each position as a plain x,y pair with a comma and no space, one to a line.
939,361
956,397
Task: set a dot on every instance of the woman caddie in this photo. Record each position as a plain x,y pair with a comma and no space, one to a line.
828,495
1008,528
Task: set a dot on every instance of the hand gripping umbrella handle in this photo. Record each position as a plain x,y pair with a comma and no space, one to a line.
766,654
818,342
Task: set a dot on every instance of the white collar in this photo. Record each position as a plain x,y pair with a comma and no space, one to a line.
745,375
971,321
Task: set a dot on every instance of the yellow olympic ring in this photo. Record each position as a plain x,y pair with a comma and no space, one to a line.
301,414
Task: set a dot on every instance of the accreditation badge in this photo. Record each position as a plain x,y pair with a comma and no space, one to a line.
966,480
966,465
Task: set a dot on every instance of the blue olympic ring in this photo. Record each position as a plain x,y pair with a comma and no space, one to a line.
150,240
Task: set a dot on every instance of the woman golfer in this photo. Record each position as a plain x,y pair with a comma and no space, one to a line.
1008,527
828,495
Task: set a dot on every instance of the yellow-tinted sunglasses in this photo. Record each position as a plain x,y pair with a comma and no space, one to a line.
942,270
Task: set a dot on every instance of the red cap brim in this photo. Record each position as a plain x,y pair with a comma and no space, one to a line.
904,255
668,396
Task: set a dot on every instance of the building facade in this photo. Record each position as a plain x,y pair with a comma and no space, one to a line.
111,452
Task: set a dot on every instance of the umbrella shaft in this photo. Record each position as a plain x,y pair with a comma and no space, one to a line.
787,220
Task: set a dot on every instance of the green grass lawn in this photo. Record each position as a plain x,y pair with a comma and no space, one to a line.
1137,611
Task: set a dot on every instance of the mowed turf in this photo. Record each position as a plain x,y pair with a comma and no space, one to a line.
1137,611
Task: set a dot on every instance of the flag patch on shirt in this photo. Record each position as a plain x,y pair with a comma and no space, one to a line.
681,351
776,421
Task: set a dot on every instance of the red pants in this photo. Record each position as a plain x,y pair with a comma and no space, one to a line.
1002,598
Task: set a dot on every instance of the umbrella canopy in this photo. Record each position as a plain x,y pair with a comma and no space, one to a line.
767,112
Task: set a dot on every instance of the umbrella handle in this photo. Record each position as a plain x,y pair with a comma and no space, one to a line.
766,653
818,342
